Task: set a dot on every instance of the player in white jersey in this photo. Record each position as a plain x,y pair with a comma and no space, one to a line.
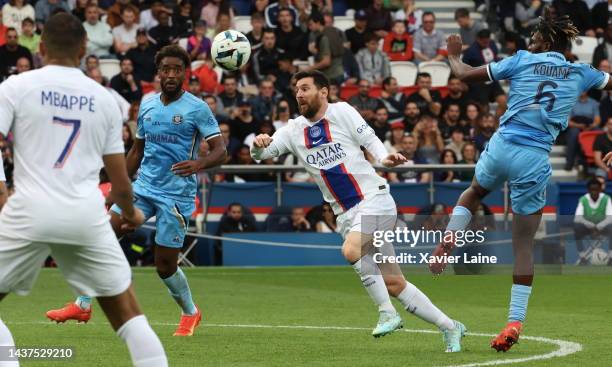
66,127
327,139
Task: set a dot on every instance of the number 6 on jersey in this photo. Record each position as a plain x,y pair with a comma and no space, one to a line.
76,126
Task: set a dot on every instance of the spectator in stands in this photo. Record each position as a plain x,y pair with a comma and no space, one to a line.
601,14
211,11
334,93
163,34
604,50
114,12
216,106
327,47
263,103
472,116
286,69
379,19
410,15
527,13
598,94
394,142
234,221
231,143
255,35
282,114
584,116
429,44
362,101
456,95
124,106
265,60
593,217
468,27
373,63
91,62
513,43
578,11
44,8
128,139
352,74
14,12
272,11
447,157
380,125
243,157
468,154
409,150
148,17
429,139
244,123
484,131
327,223
308,7
182,19
456,142
23,65
10,53
28,38
412,115
601,147
356,35
393,99
198,45
398,43
230,95
125,83
194,86
142,57
290,38
298,220
450,121
426,99
124,35
99,36
79,9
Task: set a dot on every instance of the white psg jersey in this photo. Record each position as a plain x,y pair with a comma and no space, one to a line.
330,151
62,124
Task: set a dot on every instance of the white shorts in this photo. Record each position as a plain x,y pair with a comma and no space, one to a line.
374,213
96,270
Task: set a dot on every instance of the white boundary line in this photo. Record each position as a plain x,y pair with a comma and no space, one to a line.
565,347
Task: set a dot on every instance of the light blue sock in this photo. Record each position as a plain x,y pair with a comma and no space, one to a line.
460,219
84,302
519,297
179,290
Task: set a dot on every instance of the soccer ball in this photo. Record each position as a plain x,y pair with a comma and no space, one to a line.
599,256
230,50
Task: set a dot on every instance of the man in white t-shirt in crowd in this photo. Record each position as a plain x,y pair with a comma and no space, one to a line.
124,35
327,140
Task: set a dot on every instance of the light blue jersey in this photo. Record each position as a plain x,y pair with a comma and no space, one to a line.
544,87
172,134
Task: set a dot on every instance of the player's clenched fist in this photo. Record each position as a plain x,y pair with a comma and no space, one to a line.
262,141
454,44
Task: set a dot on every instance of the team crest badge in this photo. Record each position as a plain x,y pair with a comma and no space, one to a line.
177,119
315,132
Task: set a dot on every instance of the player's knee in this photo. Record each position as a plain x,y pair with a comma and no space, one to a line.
351,252
165,268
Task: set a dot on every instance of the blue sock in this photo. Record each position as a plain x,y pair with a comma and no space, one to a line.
519,297
179,290
84,302
460,219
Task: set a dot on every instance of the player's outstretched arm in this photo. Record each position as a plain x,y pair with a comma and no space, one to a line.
460,69
215,157
134,156
266,146
122,194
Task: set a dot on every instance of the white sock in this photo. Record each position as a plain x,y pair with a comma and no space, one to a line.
84,302
373,281
142,342
416,302
6,340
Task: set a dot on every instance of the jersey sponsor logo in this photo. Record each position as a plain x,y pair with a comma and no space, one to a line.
562,72
177,119
162,138
67,102
363,128
326,155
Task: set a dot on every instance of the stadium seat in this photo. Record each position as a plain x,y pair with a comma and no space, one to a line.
405,72
344,23
109,68
583,47
586,139
243,24
196,64
439,72
183,43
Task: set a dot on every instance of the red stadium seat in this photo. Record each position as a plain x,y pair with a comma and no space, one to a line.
586,140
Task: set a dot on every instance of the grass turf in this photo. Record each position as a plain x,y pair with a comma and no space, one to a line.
574,307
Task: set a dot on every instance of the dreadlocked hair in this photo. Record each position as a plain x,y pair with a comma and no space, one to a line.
559,32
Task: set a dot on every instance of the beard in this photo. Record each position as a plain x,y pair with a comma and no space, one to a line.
310,110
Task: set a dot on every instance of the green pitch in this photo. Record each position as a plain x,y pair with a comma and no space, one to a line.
242,307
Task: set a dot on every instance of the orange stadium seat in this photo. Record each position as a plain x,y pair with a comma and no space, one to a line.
586,140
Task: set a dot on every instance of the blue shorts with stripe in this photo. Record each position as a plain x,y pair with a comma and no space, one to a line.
171,217
527,170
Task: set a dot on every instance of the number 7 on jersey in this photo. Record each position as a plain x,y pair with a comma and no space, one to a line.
76,126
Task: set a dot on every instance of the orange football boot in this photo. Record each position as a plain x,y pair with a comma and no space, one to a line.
69,312
188,324
508,337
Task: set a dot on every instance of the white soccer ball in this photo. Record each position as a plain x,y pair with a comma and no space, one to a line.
599,257
231,50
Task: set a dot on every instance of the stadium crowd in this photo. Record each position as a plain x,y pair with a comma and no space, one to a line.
446,125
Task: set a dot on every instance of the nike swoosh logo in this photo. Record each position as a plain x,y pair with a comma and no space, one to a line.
317,141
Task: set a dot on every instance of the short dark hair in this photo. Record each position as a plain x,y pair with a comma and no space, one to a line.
172,51
461,13
428,13
27,20
483,33
287,10
423,75
319,79
11,29
387,81
268,30
317,18
593,181
258,15
229,76
63,35
369,37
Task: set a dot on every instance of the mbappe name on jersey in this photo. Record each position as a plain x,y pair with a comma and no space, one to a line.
67,102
